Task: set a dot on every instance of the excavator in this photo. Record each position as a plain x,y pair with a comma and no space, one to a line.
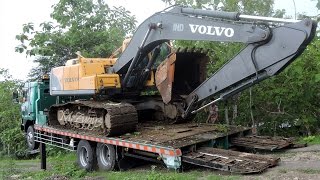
111,95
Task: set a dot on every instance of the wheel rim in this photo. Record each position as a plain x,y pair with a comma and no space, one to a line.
84,156
30,138
105,156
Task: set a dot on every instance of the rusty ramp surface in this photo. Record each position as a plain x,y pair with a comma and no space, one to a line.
231,161
263,142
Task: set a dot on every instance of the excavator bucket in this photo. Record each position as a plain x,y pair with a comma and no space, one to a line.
165,77
180,73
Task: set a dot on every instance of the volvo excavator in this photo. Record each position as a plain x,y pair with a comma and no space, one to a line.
110,95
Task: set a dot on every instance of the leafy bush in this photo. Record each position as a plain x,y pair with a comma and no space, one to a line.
11,138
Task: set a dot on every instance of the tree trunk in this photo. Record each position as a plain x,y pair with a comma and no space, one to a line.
226,112
235,100
254,127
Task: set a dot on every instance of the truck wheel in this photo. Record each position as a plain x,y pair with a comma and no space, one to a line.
106,157
86,155
32,145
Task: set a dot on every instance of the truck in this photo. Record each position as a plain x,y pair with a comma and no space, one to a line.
36,101
106,110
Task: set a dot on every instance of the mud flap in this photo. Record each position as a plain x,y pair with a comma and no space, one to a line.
173,162
232,161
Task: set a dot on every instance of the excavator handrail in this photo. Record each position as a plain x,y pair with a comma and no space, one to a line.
267,19
235,16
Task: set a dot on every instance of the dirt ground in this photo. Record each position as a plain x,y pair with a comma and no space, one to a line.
296,164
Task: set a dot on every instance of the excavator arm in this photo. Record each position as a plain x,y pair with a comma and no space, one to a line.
254,63
270,47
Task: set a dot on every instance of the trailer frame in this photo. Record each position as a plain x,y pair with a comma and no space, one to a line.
140,147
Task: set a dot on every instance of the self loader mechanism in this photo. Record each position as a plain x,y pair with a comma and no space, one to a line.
100,97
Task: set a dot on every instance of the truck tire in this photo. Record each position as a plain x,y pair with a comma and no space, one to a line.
32,144
106,157
86,156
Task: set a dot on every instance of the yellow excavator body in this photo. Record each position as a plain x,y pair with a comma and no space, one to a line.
82,75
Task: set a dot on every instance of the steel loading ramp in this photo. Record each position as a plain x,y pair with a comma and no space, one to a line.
265,142
232,161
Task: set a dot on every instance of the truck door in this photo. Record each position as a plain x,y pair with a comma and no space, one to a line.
25,103
27,107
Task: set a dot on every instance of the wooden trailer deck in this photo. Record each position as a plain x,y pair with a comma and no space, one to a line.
170,135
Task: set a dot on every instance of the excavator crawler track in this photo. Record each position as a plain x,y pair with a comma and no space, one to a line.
102,118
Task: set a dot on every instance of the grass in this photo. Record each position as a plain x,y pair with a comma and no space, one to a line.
310,140
155,175
304,171
282,171
63,165
309,171
31,167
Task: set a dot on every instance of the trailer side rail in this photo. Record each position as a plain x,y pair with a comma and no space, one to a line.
115,141
50,139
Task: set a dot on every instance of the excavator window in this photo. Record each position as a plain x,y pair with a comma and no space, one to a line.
165,50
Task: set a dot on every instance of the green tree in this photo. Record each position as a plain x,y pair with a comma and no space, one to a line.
11,138
91,27
290,99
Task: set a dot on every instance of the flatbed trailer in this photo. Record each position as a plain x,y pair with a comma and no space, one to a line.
174,145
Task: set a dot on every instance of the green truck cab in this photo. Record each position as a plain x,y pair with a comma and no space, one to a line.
36,102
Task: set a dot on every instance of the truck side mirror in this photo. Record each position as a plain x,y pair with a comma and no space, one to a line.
15,97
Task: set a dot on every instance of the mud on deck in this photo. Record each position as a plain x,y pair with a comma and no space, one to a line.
181,135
